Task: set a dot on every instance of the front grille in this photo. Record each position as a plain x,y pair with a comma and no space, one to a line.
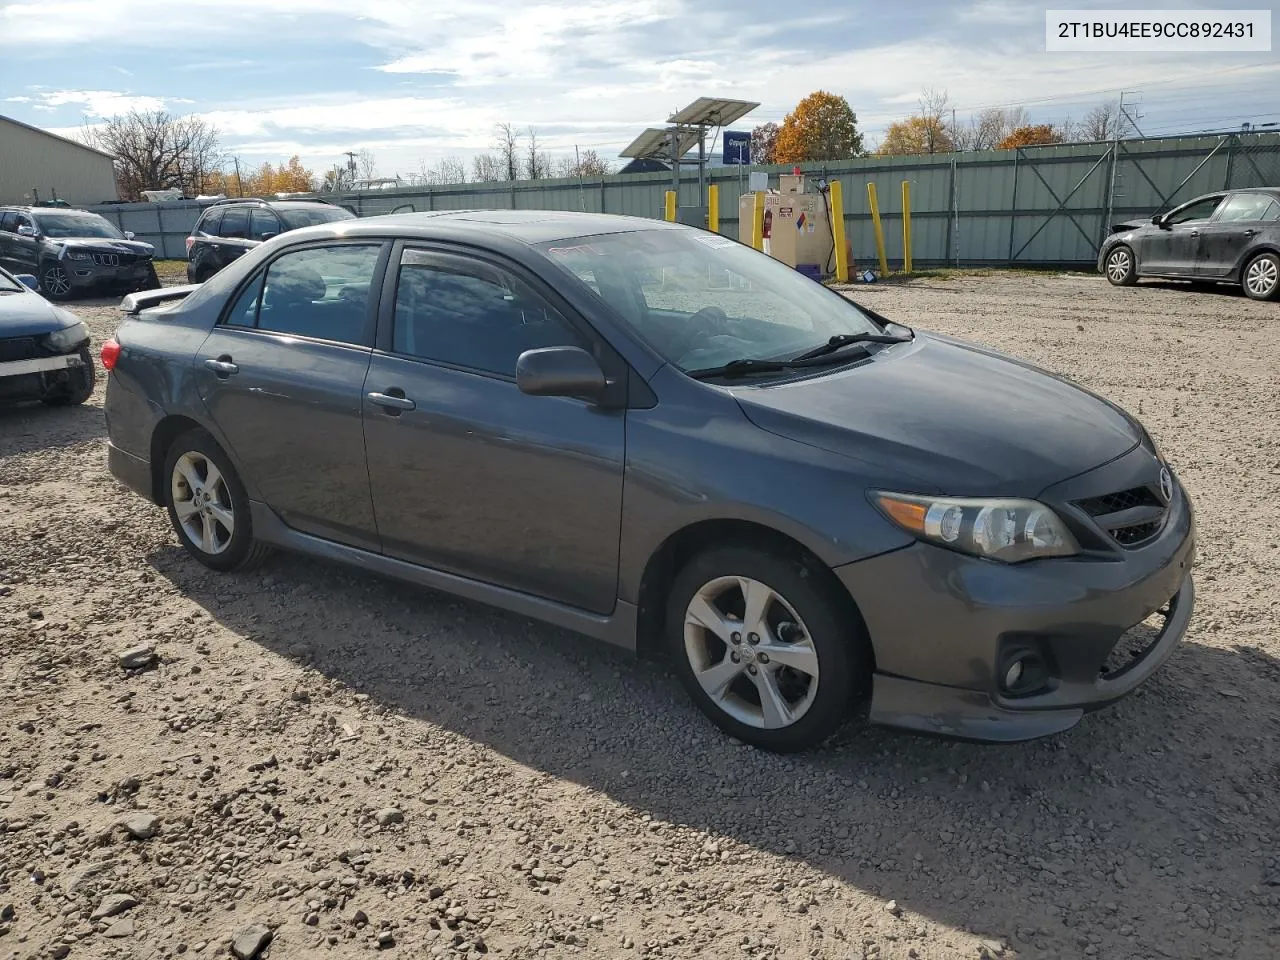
1115,502
1137,534
19,348
1131,517
107,259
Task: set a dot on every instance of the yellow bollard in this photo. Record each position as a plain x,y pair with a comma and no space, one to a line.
757,223
906,226
670,211
713,208
837,231
875,221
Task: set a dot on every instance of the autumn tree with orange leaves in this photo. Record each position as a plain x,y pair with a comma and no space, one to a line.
1030,135
821,127
290,177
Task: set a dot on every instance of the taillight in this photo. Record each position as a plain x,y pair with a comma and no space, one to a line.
191,241
110,354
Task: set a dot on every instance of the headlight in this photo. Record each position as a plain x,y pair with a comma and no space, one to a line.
65,339
79,255
1007,530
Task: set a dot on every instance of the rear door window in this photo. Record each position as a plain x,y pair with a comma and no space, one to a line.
320,292
1245,206
235,223
263,224
211,222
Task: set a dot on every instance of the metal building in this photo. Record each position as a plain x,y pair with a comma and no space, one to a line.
38,165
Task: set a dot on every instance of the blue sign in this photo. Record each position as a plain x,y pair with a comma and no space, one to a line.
737,147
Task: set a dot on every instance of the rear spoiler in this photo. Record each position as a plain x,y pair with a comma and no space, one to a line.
146,299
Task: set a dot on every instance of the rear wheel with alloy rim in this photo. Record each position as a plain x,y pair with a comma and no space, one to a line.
765,647
54,282
1121,271
208,506
1262,277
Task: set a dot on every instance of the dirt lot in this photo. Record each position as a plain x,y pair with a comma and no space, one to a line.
354,764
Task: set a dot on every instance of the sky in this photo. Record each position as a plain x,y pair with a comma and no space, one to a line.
414,81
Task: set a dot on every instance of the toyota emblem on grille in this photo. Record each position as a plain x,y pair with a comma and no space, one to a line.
1166,485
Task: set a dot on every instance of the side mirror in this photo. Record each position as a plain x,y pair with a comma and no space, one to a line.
26,231
559,372
27,280
128,234
267,236
1158,220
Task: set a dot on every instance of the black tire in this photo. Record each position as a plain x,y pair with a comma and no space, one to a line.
55,283
834,633
239,551
1120,266
1257,273
80,383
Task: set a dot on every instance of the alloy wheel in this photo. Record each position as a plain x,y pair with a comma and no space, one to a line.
750,652
1261,276
202,501
55,281
1118,266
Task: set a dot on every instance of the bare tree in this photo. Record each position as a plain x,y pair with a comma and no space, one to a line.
156,151
988,127
368,164
935,110
538,165
508,147
1106,121
487,168
588,163
447,170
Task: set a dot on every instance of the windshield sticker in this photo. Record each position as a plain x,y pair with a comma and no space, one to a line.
716,242
584,248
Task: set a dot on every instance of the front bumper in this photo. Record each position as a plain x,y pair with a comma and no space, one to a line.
85,274
941,624
33,378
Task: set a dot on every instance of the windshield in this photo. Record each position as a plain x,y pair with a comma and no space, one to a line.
67,225
702,300
296,217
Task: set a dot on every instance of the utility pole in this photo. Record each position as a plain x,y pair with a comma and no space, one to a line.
351,165
239,182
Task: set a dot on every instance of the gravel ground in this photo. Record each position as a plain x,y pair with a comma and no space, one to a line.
335,763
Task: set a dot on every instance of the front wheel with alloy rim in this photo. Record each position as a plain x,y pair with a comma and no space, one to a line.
1121,271
54,282
765,647
1262,277
208,506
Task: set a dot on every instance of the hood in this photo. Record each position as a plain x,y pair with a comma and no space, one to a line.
31,315
105,244
943,416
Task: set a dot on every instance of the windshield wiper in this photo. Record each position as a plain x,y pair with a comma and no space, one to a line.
739,368
844,340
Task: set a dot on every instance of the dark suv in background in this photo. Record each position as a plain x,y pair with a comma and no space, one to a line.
229,228
73,251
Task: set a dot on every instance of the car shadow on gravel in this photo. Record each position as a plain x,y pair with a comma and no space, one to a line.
29,427
1125,816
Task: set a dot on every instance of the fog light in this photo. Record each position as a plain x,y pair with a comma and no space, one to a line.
1023,671
1013,675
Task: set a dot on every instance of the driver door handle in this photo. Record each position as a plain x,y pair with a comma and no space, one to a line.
393,404
222,366
1250,233
1195,233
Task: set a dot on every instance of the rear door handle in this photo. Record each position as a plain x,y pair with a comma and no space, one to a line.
222,366
393,404
1250,233
1195,233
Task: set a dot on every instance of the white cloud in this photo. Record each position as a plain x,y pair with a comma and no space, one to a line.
98,103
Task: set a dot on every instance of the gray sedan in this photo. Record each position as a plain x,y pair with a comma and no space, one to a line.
667,441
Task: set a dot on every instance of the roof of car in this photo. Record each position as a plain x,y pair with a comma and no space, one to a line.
528,226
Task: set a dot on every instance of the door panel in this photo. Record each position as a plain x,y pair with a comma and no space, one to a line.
282,377
1172,250
472,476
292,414
1224,239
